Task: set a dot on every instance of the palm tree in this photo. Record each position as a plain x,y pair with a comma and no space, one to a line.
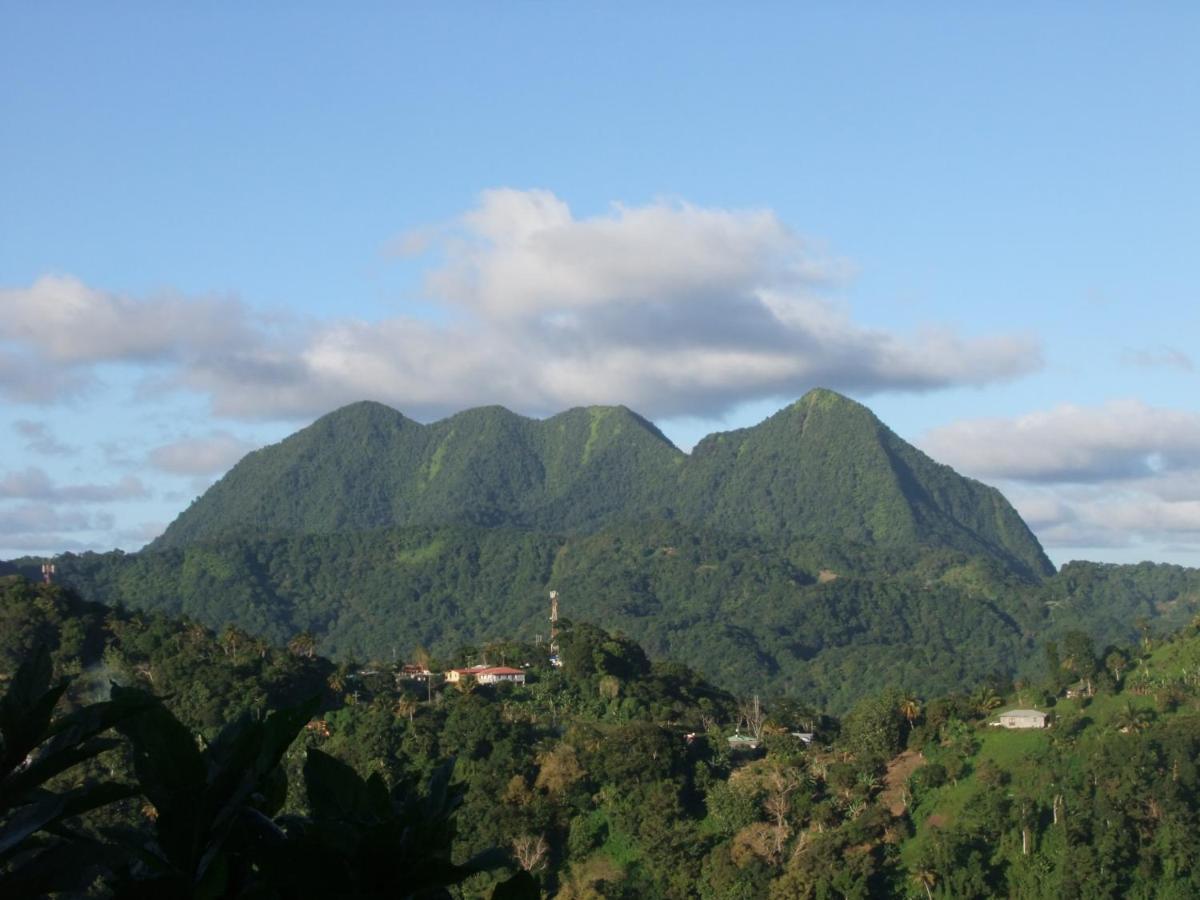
926,878
1131,719
910,708
985,700
304,644
405,706
40,852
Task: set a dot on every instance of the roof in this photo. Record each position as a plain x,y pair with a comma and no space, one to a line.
1024,713
497,670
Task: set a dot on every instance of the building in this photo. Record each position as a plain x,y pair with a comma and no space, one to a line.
496,674
409,672
1021,718
487,675
743,742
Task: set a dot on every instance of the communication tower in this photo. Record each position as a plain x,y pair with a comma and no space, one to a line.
48,572
554,660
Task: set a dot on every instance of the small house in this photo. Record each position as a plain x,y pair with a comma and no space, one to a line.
743,742
454,676
487,675
1022,718
410,672
496,674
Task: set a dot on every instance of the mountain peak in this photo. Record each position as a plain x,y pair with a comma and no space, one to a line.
824,468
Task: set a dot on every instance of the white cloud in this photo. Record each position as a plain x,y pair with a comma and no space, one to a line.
200,455
670,308
70,323
1120,516
1120,475
1119,440
34,484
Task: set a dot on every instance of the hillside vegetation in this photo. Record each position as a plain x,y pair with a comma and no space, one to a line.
609,777
825,468
747,613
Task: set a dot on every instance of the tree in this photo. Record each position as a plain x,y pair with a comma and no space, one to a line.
405,707
1079,657
1116,662
530,851
304,644
752,716
212,807
910,708
875,726
362,840
1131,719
924,876
39,851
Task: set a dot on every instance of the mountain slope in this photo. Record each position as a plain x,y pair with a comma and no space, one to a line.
735,608
367,466
826,467
823,468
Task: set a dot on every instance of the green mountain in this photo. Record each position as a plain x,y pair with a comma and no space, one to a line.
367,466
824,468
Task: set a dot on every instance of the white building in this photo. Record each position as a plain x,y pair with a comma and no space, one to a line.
487,674
1022,718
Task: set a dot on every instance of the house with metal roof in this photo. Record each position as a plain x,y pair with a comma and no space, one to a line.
1022,718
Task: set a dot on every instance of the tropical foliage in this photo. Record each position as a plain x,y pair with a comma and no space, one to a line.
610,776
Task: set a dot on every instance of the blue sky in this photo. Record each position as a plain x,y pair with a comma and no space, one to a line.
218,223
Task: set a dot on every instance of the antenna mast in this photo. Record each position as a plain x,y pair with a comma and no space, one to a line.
553,621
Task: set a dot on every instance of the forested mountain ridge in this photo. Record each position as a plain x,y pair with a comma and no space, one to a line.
749,614
824,468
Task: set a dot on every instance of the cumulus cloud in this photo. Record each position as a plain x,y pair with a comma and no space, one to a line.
207,455
54,334
69,322
1119,440
1119,516
1120,475
668,307
34,484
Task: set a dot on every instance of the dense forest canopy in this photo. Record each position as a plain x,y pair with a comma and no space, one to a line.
612,776
821,623
824,468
